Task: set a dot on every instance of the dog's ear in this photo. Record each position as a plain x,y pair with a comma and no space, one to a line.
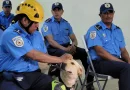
80,71
79,68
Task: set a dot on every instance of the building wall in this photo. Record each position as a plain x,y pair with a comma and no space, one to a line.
83,13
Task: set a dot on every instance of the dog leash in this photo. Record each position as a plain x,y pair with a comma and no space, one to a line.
58,66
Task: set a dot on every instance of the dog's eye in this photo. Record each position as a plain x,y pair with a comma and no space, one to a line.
72,63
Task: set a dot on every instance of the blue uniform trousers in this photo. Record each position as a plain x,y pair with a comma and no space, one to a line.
25,81
115,69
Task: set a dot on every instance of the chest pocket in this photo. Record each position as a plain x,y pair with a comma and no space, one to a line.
119,39
55,31
66,31
104,38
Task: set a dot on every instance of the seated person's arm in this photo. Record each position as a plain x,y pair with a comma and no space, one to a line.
53,43
45,58
73,39
74,43
125,55
104,54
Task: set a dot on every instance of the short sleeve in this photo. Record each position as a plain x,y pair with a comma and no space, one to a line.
70,29
121,37
93,38
16,45
46,29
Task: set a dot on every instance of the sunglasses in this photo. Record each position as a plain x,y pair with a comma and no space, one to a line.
7,6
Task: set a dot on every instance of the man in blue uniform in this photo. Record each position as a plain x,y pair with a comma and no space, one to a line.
5,16
106,46
21,48
58,34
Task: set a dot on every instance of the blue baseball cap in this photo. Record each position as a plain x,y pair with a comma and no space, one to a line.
57,5
7,3
106,7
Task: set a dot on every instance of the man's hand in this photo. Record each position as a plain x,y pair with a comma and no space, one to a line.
73,49
65,57
67,49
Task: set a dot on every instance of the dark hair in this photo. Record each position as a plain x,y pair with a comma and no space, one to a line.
19,17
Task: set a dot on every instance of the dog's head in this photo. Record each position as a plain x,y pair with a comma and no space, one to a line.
71,65
71,71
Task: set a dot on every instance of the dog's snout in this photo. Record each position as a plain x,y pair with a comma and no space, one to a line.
63,66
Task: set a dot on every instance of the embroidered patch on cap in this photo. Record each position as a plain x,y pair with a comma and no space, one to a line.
57,3
92,34
107,5
18,41
7,2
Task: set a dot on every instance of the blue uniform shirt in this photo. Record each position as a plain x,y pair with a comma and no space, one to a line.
14,44
59,31
5,21
110,39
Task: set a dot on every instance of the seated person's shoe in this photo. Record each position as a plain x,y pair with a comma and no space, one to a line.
91,87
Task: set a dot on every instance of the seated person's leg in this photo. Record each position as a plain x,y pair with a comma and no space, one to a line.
82,55
56,52
116,69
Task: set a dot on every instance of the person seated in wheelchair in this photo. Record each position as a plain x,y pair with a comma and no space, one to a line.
106,46
21,48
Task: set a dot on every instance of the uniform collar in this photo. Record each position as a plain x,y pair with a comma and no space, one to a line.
18,27
53,19
3,14
113,27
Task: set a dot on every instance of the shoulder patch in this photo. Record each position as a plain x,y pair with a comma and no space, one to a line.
48,20
98,27
18,41
118,27
45,27
92,34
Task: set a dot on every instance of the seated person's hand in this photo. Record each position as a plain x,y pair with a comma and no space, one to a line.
72,50
67,49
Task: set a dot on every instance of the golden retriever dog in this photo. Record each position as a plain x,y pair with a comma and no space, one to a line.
71,71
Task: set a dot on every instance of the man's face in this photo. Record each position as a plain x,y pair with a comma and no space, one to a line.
33,27
7,9
107,17
57,13
27,22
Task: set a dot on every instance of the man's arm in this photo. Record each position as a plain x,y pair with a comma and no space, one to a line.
53,43
105,55
45,58
73,39
125,55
